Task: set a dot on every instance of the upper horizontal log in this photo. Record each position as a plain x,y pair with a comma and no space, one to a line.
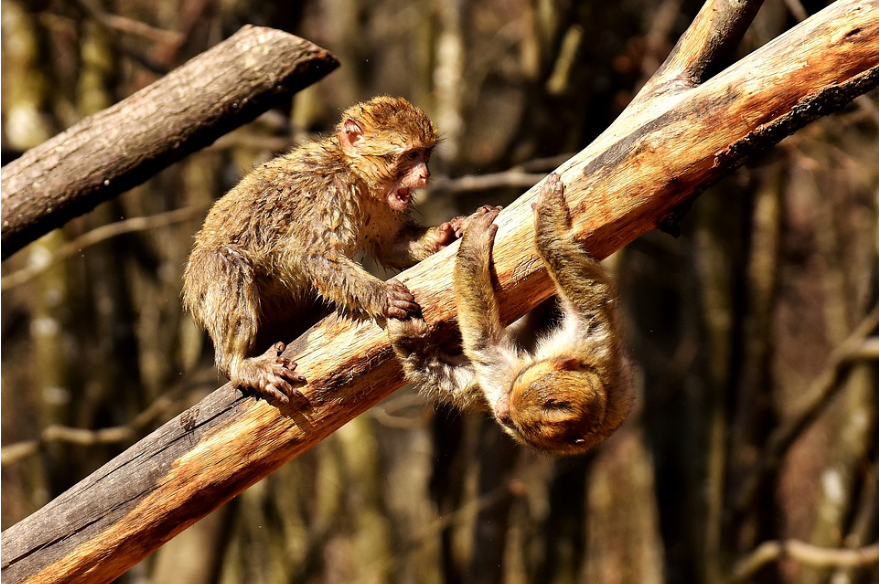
122,146
656,156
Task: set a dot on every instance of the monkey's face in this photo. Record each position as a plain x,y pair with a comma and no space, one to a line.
388,142
410,172
555,407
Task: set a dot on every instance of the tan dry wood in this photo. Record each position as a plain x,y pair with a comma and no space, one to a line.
118,148
655,157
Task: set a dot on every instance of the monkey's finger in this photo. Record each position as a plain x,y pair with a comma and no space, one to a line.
483,222
275,393
492,231
395,283
448,232
398,313
293,376
407,306
397,291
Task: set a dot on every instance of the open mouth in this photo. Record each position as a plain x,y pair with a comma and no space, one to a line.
402,196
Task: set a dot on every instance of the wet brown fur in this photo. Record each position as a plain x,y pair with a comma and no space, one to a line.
284,240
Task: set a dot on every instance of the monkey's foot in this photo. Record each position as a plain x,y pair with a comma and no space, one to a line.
407,334
479,229
270,374
552,213
400,302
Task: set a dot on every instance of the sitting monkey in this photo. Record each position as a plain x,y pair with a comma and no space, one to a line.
288,236
568,394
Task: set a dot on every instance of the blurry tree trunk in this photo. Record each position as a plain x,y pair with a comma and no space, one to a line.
122,146
681,134
719,256
25,91
623,538
373,547
448,74
496,465
849,446
345,18
27,94
565,536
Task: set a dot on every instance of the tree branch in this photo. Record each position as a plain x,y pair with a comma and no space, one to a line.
114,150
815,399
706,45
806,553
652,159
41,263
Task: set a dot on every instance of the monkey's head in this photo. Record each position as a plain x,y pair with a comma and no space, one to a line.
388,141
559,405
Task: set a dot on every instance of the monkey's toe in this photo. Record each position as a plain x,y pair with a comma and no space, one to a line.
400,302
275,394
552,191
271,375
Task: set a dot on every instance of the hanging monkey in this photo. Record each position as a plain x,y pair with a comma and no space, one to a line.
574,388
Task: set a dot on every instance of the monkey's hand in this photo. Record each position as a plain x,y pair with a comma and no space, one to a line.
479,228
400,302
552,216
270,374
448,232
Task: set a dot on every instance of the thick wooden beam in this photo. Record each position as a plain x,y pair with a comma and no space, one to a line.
655,157
118,148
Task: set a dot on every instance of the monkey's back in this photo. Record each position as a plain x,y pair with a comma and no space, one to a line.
254,237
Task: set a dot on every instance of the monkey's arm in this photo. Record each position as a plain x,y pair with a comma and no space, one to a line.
441,376
414,243
344,282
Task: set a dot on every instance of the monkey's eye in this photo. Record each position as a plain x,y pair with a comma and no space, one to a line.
574,440
413,155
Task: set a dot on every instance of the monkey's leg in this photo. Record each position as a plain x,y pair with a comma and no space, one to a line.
582,282
233,323
478,310
441,376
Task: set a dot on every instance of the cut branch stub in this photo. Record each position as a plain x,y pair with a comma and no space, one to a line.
120,147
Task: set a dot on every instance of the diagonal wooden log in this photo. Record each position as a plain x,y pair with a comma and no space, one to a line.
658,155
118,148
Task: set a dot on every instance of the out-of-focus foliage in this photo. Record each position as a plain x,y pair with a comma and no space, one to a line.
732,327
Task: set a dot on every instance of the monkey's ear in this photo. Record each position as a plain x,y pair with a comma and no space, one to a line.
351,137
